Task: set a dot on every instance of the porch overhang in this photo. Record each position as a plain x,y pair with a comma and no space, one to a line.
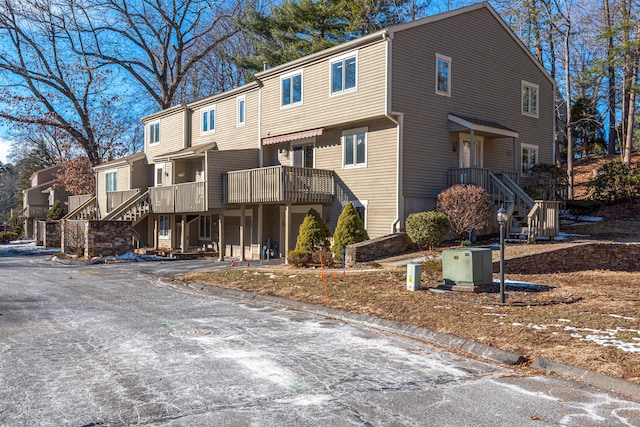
292,136
195,151
459,123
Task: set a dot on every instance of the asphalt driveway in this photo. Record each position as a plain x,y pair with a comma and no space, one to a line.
119,344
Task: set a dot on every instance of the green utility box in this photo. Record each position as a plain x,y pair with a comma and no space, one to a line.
467,267
414,280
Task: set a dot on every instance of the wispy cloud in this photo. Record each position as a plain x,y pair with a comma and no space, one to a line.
5,147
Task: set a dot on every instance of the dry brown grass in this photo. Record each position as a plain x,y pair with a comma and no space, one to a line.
561,324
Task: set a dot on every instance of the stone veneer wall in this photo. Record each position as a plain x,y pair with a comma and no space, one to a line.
369,250
52,235
586,256
106,238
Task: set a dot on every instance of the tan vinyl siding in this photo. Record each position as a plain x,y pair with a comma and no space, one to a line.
223,161
376,183
141,175
487,68
228,135
319,109
171,135
123,178
101,193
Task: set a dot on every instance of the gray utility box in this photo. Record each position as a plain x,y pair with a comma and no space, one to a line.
414,279
467,267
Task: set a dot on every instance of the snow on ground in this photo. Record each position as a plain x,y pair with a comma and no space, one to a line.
24,247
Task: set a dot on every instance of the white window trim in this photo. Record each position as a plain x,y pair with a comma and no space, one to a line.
446,59
526,84
110,171
531,147
239,99
356,131
208,109
290,75
339,59
159,166
155,122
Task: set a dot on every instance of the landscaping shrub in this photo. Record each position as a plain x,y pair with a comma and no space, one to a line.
547,179
313,233
349,230
322,257
300,258
7,236
467,206
427,229
582,207
55,212
616,183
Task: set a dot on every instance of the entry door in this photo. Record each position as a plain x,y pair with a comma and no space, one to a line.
303,155
465,151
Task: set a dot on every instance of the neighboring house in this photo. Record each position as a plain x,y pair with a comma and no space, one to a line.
386,121
39,198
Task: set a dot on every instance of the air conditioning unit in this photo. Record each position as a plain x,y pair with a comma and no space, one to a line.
467,267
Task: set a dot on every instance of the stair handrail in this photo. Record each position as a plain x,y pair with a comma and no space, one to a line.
88,207
517,190
498,188
126,206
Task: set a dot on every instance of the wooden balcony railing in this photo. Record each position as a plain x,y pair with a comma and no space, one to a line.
116,198
36,211
187,197
279,184
74,202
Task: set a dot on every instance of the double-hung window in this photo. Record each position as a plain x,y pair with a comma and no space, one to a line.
291,89
241,103
529,158
343,74
443,75
154,133
208,120
529,99
163,226
111,178
354,144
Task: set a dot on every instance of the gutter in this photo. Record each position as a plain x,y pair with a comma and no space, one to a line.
398,119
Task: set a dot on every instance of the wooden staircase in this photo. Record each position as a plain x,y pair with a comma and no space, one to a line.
135,209
85,211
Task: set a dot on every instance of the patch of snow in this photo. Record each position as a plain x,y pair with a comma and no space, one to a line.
623,317
588,218
25,247
494,314
272,276
293,276
564,320
516,324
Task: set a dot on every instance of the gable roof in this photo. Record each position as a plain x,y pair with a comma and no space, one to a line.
120,162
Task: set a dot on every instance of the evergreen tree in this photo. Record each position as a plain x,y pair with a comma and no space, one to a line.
313,233
349,230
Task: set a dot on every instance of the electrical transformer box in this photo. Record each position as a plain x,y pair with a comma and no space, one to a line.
467,267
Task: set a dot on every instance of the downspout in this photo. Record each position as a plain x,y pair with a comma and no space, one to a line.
553,128
398,119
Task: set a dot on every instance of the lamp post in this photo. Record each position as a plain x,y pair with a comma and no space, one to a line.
502,219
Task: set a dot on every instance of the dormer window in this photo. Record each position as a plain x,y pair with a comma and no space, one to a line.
154,133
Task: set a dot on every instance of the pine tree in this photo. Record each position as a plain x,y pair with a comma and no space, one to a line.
349,230
313,233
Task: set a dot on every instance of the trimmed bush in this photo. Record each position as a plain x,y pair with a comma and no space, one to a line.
427,229
349,230
467,206
300,258
546,180
7,236
313,233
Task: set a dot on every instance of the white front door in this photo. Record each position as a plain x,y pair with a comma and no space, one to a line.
466,160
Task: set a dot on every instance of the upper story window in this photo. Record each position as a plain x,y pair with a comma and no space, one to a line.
529,99
343,73
291,89
443,75
111,178
355,148
208,120
529,158
154,133
241,103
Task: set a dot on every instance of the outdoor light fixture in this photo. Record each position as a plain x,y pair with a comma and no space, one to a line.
502,219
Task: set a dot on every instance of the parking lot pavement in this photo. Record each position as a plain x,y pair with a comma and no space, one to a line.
118,344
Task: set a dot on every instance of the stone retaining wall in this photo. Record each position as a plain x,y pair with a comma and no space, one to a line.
581,257
369,250
106,238
52,235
